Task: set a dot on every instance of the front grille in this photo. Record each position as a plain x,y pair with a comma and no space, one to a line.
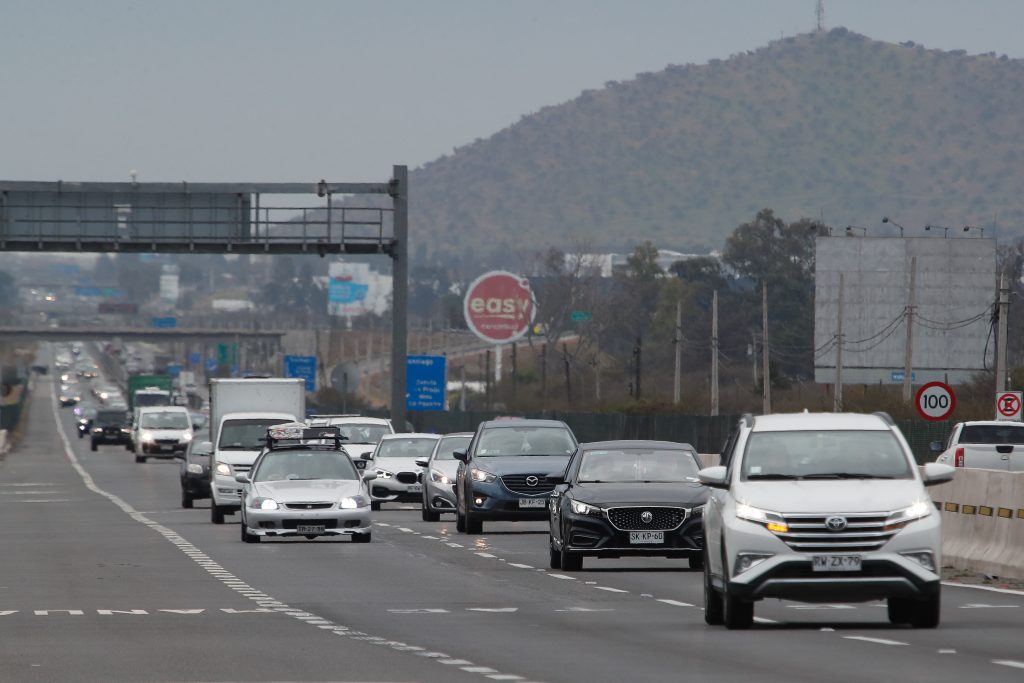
308,506
524,484
863,532
167,442
407,477
631,518
292,523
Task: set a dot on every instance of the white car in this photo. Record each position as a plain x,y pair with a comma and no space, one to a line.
359,434
984,444
821,508
161,432
394,462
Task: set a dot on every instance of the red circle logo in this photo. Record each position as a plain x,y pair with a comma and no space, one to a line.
499,306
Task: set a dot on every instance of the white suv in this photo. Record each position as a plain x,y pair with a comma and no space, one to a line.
821,507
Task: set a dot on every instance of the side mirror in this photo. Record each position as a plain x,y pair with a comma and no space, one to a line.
422,463
935,446
369,476
242,478
933,473
366,456
715,477
461,456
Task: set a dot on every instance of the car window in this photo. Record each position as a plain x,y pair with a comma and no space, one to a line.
449,444
824,455
508,441
406,448
993,434
304,465
164,420
634,465
201,447
246,435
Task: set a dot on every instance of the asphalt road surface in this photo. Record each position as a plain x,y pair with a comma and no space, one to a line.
105,578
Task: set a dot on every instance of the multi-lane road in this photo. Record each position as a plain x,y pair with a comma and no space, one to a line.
105,578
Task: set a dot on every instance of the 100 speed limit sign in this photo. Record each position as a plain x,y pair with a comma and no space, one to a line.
935,401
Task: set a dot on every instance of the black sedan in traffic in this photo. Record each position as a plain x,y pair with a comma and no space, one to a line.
195,469
627,498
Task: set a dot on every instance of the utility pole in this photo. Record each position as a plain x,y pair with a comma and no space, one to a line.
568,373
837,393
1004,304
908,366
515,371
637,352
714,353
753,355
766,406
678,341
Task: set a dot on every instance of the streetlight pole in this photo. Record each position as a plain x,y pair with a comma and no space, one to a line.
886,219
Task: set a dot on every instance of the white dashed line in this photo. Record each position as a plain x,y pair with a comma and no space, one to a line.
1009,662
519,566
562,576
675,603
610,589
877,641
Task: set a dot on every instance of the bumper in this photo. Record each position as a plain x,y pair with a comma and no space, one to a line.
226,492
120,439
286,522
501,505
393,491
596,537
439,497
156,450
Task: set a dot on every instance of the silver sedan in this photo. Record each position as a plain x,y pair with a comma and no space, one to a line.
439,475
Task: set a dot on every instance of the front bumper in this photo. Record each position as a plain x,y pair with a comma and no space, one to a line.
439,497
226,492
501,505
162,450
111,437
391,490
597,537
196,485
284,522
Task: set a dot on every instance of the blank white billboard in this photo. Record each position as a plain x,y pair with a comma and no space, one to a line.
956,289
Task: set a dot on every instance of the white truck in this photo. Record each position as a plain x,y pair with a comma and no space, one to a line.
240,412
984,444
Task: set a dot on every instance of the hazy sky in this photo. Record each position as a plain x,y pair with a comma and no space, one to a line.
208,90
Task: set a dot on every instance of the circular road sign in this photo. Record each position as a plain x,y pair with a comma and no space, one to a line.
1008,404
935,401
499,306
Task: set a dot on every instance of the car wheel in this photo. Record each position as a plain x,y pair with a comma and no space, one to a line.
474,525
374,505
899,610
713,613
736,613
129,447
696,562
925,613
246,536
140,458
460,522
429,516
570,562
361,538
554,556
92,445
186,499
216,513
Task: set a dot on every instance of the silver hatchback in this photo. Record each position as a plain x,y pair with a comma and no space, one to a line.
439,472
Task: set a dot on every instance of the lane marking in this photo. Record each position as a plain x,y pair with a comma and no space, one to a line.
994,589
487,555
492,609
562,576
1009,662
762,620
675,603
520,566
877,641
610,589
946,652
981,605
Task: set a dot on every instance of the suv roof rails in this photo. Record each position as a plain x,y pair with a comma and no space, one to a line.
885,416
326,415
747,419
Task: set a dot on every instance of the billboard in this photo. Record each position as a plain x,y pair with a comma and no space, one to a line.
955,290
348,288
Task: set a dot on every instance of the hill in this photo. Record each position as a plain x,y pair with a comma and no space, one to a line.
825,125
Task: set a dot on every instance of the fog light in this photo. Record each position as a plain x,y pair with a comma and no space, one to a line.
746,561
478,501
925,558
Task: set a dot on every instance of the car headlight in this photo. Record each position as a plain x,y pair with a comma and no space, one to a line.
482,475
126,430
773,521
146,437
900,518
263,504
439,478
224,469
384,474
194,468
353,503
97,430
186,437
697,510
581,508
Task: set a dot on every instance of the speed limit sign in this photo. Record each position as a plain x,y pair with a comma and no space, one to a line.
935,401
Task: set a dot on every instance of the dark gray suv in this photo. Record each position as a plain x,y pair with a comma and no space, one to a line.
503,473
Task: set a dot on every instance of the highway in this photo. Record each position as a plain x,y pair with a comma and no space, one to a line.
105,578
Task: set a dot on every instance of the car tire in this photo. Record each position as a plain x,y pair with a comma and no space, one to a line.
361,538
474,525
899,610
186,499
925,613
696,562
554,556
430,516
374,505
246,536
140,458
92,446
129,447
216,513
713,612
460,522
736,614
570,562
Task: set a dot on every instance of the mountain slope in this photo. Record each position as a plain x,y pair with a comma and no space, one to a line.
830,125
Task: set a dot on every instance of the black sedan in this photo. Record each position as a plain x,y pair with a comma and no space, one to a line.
195,469
624,498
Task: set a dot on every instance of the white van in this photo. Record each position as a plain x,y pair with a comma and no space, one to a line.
161,432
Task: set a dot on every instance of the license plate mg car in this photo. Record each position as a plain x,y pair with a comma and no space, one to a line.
836,563
533,502
310,529
637,537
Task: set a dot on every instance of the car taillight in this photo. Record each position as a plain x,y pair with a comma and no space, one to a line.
958,458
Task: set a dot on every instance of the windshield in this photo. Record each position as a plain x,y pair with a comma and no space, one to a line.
993,434
246,435
362,433
146,400
108,418
825,455
419,447
634,465
503,441
164,421
449,445
304,464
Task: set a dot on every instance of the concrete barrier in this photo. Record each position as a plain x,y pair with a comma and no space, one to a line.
3,441
983,521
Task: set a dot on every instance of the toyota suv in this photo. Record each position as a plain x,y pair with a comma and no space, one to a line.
503,473
821,508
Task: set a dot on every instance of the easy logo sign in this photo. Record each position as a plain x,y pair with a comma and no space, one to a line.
499,306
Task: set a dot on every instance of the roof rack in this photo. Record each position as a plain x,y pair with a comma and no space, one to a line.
326,416
295,433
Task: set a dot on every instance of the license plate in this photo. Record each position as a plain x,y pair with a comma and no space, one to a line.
414,488
836,563
166,449
310,528
646,536
533,502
